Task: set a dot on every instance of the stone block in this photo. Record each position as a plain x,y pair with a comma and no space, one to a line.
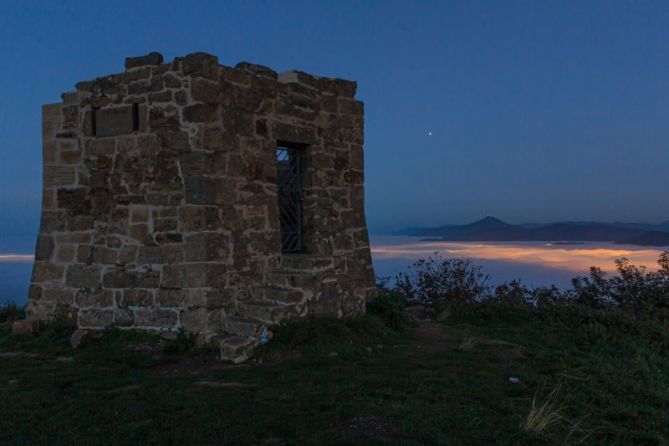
139,214
171,297
156,319
352,107
74,200
185,276
127,255
168,237
257,70
94,298
131,279
35,292
169,253
199,65
52,112
114,121
199,218
96,255
70,117
81,337
140,232
45,247
47,272
171,81
205,190
59,295
293,133
236,348
165,225
83,276
206,247
152,58
123,317
200,113
195,320
55,176
137,298
204,90
135,75
95,318
65,253
163,96
25,328
73,237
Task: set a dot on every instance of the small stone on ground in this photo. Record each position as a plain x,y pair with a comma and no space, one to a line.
81,337
25,328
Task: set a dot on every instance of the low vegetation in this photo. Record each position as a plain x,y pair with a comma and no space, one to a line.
11,312
503,365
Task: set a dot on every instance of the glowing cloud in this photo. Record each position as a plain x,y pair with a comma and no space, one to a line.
576,258
16,258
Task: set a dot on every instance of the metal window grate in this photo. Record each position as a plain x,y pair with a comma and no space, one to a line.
289,182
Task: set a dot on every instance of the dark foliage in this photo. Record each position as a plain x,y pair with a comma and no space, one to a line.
436,280
452,282
634,289
11,312
389,307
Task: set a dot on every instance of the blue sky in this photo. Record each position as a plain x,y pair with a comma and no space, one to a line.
539,111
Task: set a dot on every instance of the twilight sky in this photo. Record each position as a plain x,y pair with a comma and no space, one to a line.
538,111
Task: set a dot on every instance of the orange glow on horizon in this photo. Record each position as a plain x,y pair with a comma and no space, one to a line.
578,258
16,258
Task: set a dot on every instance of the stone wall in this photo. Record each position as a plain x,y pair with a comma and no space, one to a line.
160,205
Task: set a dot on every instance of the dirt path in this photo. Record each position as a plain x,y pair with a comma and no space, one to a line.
430,338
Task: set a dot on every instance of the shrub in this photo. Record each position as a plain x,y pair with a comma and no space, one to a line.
439,282
389,306
456,283
633,289
11,312
592,334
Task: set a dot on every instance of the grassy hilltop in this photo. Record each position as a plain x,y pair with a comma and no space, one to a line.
500,371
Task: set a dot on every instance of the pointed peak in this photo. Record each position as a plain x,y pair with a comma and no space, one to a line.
490,218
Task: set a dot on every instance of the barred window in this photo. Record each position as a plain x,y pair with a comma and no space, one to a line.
289,181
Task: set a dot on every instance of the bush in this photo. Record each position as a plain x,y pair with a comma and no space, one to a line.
456,283
439,282
389,306
633,289
11,312
592,334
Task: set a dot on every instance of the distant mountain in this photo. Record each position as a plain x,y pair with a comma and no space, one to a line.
586,232
487,229
649,238
494,229
411,230
662,227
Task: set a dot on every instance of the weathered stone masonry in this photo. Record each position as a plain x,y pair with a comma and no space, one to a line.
160,205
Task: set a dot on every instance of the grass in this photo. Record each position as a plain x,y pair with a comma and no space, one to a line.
370,381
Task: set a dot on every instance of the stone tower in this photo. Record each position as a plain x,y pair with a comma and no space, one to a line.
191,195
